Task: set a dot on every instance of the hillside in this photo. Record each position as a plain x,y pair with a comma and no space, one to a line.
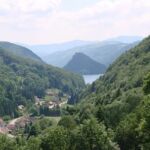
19,50
21,79
121,98
128,71
113,113
83,64
103,52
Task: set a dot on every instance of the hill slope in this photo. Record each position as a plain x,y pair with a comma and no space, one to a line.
19,50
119,99
21,79
124,75
82,64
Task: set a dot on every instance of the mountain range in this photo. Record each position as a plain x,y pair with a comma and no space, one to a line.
126,39
47,49
104,52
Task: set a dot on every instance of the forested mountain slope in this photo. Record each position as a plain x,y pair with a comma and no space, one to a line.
19,50
21,79
83,64
126,73
121,97
113,113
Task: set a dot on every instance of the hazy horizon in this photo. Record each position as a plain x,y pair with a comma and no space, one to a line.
57,21
74,40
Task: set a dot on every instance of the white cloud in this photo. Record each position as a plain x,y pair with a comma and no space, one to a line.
28,6
42,21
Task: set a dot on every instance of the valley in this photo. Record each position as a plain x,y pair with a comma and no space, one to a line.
52,105
74,75
43,105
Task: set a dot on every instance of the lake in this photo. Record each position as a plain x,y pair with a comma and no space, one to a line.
89,79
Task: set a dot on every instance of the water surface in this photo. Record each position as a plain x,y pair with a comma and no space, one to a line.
89,79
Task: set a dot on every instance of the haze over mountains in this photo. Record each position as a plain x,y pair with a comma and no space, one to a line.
126,39
104,52
47,49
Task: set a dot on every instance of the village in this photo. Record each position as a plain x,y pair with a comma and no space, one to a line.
53,99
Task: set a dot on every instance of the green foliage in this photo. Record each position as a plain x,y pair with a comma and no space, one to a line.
33,144
19,50
21,79
144,127
119,100
147,84
6,143
127,133
67,122
45,123
56,139
93,136
35,130
85,112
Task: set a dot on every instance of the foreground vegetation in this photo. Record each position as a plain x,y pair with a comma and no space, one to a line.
112,114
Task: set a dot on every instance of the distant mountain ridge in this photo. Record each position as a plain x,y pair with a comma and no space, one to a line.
47,49
83,64
126,39
103,52
19,51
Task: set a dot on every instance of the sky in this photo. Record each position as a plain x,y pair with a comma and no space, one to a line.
53,21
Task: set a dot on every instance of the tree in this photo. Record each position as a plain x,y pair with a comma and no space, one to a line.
6,144
56,139
33,144
45,123
93,136
67,122
35,130
127,134
147,84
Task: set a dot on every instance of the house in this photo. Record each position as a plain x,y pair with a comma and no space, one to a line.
20,107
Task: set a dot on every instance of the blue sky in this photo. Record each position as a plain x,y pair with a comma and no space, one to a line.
75,5
51,21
